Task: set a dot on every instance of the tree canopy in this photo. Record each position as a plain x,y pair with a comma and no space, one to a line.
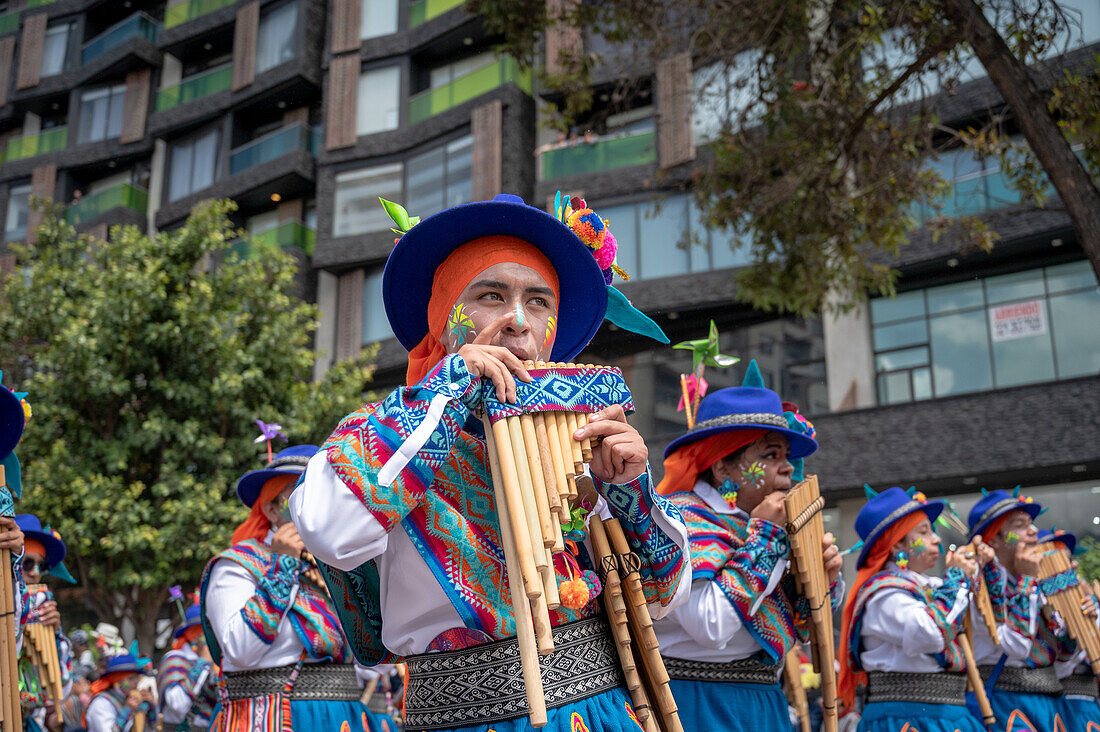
146,360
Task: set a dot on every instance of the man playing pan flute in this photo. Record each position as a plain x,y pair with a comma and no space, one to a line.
725,647
187,678
400,501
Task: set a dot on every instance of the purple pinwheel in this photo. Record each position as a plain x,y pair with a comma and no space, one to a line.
269,432
176,593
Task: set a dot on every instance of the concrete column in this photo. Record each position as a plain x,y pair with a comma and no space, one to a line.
849,359
845,532
32,124
171,71
326,329
156,183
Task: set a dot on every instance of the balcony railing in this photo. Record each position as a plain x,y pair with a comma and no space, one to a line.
291,234
121,195
138,25
9,21
422,11
433,101
179,13
51,140
188,90
606,154
271,146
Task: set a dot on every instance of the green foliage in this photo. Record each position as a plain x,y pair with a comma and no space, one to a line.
1088,564
145,367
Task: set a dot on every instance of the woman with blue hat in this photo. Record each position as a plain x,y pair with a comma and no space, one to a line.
900,625
269,621
116,698
399,503
725,647
13,418
187,679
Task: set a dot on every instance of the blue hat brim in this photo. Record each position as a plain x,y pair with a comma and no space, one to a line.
1032,509
131,667
186,627
55,548
932,508
801,445
12,421
251,483
410,270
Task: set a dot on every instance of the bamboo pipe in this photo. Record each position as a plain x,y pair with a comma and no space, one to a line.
974,678
525,627
574,444
139,722
532,580
549,474
538,477
9,662
632,582
796,692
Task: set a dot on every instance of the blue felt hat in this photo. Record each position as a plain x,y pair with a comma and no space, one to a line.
291,461
996,504
32,529
122,662
12,421
410,269
743,408
191,617
883,511
1066,537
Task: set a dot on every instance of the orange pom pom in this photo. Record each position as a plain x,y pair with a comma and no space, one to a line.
574,593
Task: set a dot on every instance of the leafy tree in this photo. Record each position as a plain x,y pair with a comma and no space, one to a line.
821,156
1088,564
146,367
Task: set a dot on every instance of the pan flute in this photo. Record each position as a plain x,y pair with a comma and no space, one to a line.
41,643
10,713
536,464
979,595
1066,593
806,530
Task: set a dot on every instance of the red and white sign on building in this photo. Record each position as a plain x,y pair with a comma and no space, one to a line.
1018,320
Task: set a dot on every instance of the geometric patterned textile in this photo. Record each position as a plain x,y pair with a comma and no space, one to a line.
561,390
176,668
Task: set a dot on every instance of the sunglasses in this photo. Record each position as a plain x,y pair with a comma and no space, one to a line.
34,565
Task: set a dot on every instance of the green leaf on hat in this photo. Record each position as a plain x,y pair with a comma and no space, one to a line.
705,350
399,215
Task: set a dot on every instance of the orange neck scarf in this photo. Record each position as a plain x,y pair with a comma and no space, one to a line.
682,467
452,277
257,524
876,560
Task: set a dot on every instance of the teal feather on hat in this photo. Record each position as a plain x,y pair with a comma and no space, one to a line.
753,377
62,572
869,491
1016,492
985,492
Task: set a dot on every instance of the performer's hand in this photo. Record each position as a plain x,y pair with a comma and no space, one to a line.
286,541
772,509
134,699
620,456
495,363
968,566
11,537
984,551
49,615
146,696
830,554
1027,560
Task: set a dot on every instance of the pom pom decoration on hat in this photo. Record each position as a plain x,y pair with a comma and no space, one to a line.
693,387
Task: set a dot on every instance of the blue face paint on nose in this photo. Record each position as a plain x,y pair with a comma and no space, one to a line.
519,316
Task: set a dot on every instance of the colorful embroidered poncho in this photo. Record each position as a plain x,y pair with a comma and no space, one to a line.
311,616
1014,606
443,498
32,692
179,668
938,602
740,556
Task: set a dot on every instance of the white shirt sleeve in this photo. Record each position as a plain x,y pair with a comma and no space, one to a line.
177,702
230,588
101,716
899,619
65,660
1014,645
708,616
333,523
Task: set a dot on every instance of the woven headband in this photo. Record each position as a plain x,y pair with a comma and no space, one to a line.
768,418
998,508
296,461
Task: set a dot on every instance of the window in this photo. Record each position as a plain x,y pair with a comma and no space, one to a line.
19,207
195,164
723,92
1008,330
379,18
55,49
379,97
376,326
440,178
277,38
101,113
356,208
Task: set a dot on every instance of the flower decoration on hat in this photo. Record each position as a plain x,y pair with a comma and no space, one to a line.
593,232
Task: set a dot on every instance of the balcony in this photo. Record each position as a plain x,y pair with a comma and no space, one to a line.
605,154
181,12
291,234
204,84
122,195
138,25
51,140
421,11
433,101
9,22
272,146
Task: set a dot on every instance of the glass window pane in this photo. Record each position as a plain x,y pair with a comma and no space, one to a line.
55,49
376,326
114,114
179,181
204,171
459,164
424,194
661,233
909,333
1076,337
1071,276
15,226
93,115
958,296
902,359
896,387
922,383
901,307
622,221
356,209
699,243
960,353
275,43
379,92
1015,286
1023,356
379,18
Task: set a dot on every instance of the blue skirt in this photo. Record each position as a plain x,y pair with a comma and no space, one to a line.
1019,712
332,716
609,711
1079,713
714,705
895,716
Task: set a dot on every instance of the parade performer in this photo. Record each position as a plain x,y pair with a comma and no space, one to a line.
725,647
900,626
1021,683
400,502
382,695
269,623
43,551
187,678
116,698
1079,707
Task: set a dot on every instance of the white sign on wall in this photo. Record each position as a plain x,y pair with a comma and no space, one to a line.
1018,320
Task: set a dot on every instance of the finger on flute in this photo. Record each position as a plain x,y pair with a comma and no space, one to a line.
583,418
532,581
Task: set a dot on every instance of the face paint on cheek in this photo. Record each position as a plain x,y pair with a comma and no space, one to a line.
460,326
548,339
754,474
1012,538
917,547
